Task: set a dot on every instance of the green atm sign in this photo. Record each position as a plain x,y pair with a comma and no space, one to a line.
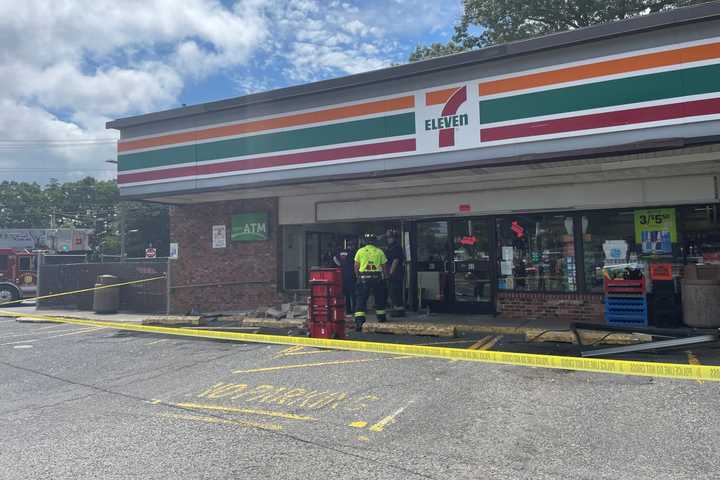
250,227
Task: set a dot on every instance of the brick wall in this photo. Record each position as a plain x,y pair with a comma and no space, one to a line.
241,276
551,306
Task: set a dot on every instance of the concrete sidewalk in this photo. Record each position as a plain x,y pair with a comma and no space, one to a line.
415,323
30,311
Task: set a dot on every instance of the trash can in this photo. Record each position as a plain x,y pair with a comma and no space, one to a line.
701,296
106,300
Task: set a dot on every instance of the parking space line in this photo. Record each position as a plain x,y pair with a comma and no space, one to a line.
319,364
33,331
93,329
248,411
480,343
491,343
223,421
309,352
380,426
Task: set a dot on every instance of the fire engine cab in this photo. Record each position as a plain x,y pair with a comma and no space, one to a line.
18,274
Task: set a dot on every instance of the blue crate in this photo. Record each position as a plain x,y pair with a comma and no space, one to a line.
626,311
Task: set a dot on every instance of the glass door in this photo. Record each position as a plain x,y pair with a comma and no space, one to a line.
471,266
454,266
433,266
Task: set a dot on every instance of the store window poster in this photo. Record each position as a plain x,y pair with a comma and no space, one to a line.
655,229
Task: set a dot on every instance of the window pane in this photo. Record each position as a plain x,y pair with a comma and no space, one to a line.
24,264
608,237
432,241
536,253
700,229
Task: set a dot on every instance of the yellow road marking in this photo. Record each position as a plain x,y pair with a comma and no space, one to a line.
359,424
297,350
380,426
363,438
309,352
76,332
249,411
491,343
155,402
480,343
223,421
319,364
682,371
693,360
293,348
158,341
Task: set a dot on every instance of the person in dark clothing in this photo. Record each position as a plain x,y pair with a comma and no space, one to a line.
345,259
396,269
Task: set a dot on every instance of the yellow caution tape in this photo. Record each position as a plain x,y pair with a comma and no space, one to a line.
599,365
84,290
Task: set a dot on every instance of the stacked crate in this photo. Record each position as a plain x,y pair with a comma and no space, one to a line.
626,302
326,315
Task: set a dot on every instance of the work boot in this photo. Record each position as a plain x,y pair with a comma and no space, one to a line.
359,321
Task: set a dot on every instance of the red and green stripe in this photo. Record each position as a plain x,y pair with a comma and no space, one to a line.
268,143
329,154
610,93
603,120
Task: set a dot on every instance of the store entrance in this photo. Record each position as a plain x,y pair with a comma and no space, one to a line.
454,266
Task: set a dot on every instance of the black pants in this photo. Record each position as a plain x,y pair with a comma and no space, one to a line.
396,292
363,288
349,293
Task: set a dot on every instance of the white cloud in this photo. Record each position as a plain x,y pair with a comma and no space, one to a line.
67,67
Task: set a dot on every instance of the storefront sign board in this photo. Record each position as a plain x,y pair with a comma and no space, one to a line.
250,227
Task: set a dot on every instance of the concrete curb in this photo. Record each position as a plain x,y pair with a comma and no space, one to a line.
588,337
271,323
170,321
422,329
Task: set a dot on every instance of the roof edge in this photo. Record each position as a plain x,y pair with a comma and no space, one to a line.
629,26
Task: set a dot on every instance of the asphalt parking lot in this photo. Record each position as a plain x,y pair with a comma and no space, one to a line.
80,402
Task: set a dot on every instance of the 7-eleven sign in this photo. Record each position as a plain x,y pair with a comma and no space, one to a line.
446,119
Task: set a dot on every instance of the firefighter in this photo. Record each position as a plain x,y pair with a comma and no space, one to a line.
345,259
396,266
370,272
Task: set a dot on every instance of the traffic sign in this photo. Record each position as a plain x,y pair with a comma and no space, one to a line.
150,253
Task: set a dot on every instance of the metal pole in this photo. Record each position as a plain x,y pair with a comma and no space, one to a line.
122,231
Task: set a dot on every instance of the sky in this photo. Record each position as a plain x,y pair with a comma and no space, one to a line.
69,66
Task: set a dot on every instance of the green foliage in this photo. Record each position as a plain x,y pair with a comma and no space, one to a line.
435,50
491,22
87,203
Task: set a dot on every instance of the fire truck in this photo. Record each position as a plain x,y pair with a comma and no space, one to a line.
18,274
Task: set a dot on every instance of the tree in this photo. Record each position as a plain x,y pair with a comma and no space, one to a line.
435,50
490,22
86,203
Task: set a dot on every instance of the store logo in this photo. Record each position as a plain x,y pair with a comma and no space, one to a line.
451,99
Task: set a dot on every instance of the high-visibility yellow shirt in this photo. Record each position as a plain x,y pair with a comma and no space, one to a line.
371,259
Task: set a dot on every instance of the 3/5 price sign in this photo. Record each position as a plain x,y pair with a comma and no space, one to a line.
655,223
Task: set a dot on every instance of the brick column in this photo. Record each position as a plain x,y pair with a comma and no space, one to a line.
243,275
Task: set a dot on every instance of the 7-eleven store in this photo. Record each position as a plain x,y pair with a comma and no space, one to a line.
508,170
